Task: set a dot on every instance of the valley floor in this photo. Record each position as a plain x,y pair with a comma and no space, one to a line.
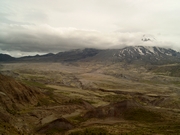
97,98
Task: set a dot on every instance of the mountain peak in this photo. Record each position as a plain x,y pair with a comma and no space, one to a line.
150,54
6,57
146,50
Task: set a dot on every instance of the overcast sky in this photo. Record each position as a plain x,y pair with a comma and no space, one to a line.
28,27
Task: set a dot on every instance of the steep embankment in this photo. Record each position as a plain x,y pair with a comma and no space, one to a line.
14,97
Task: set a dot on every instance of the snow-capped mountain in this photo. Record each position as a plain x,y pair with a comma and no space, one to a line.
130,54
142,50
147,54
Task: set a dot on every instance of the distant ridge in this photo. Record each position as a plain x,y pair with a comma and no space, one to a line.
131,54
6,57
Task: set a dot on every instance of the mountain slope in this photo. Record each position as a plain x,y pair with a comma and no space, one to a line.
67,56
152,55
37,58
5,58
139,55
76,55
14,98
130,54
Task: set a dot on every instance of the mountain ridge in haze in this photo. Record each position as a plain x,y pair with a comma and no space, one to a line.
130,54
6,57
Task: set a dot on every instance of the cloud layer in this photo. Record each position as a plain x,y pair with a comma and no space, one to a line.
44,38
52,26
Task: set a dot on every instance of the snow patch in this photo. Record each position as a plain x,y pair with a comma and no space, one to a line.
140,51
150,49
159,49
168,54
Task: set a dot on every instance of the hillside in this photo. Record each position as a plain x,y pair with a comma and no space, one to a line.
14,98
15,95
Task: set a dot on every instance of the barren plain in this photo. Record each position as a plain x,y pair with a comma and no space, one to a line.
97,98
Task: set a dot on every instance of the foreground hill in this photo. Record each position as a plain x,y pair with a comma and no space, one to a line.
14,97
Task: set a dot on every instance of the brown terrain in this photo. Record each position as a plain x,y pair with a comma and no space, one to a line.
88,98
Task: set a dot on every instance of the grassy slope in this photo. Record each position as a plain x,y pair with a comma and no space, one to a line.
110,77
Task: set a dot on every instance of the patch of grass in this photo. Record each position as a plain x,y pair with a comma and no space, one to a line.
169,70
36,84
78,101
142,115
90,102
55,131
7,129
157,128
155,82
115,98
51,131
43,101
49,92
74,101
151,82
49,99
77,119
11,111
91,131
177,83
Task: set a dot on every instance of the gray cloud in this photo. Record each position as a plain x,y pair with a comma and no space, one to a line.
44,38
52,26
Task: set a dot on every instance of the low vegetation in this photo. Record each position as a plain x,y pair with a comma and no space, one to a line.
142,115
92,99
90,131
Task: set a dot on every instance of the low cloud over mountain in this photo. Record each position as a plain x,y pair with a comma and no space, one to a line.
30,27
44,38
